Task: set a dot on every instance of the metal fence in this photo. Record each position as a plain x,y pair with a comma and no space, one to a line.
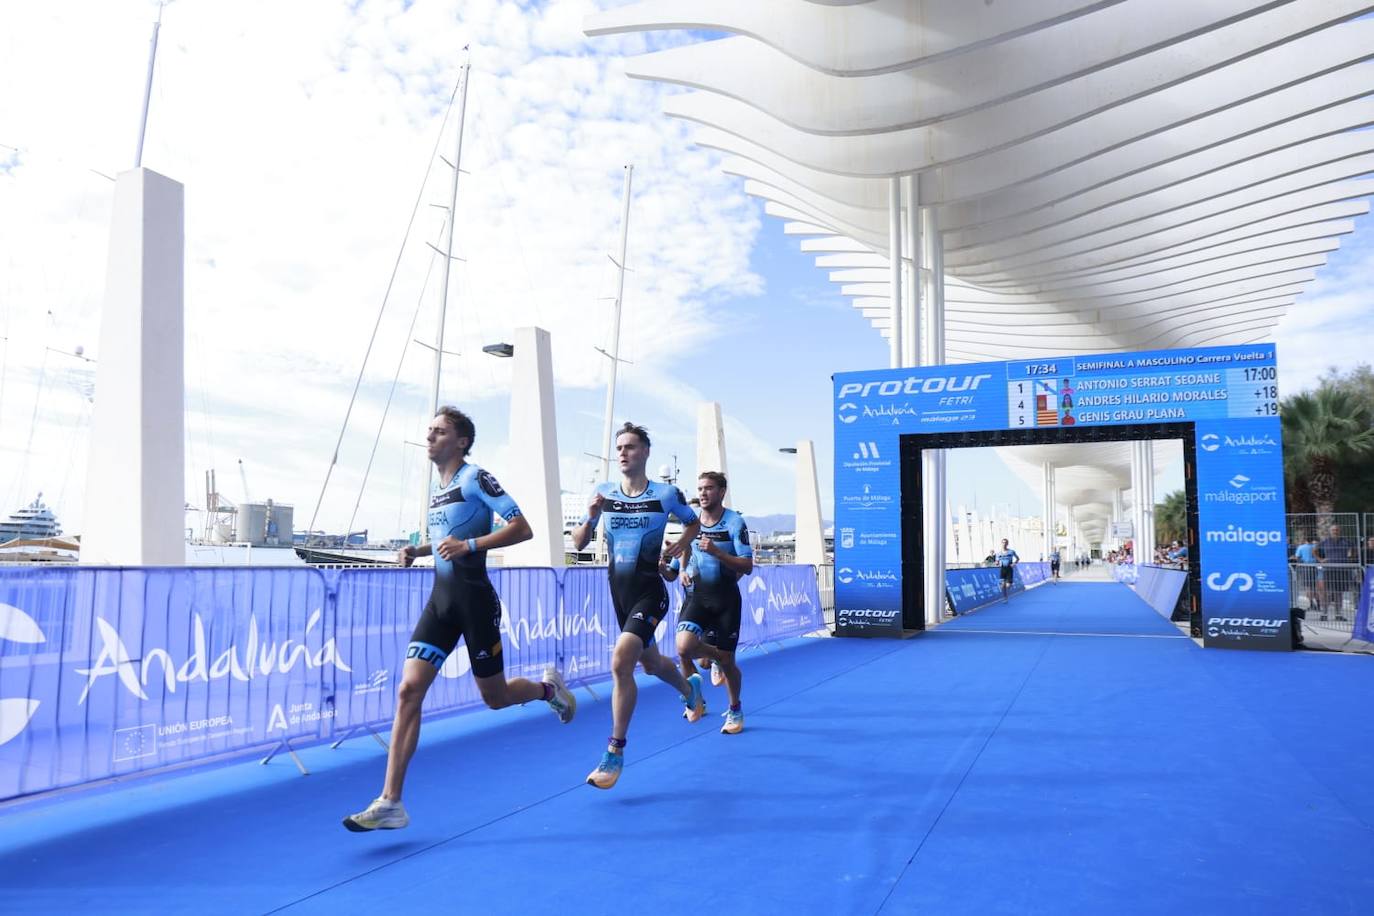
1327,556
1326,596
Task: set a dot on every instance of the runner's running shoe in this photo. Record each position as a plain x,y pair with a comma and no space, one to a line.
380,815
734,722
696,703
562,702
607,771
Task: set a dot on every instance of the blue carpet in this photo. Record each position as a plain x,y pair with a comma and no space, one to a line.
970,770
1101,608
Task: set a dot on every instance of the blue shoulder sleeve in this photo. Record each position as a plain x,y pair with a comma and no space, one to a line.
740,532
676,504
485,487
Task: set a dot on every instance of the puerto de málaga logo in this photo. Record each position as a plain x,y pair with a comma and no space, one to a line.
16,712
259,658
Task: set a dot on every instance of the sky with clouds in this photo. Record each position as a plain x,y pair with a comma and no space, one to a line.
303,134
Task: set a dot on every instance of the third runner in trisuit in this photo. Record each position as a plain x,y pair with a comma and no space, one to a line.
636,512
710,620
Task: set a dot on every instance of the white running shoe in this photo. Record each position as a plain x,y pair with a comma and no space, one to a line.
380,815
717,675
562,702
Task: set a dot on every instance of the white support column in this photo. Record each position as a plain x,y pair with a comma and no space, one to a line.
533,474
135,481
933,470
1147,506
710,443
810,529
1137,498
894,253
911,323
1048,520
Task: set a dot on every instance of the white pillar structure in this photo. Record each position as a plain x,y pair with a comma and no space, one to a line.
710,444
1147,504
810,528
533,474
911,325
894,254
1049,513
135,481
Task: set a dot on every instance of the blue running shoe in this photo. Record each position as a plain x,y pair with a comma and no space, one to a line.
696,703
607,771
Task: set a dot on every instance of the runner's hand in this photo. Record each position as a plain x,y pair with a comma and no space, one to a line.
450,548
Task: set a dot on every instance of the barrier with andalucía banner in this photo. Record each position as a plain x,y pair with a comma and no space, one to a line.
970,589
113,671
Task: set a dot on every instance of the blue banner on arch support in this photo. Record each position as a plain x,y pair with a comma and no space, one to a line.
1224,398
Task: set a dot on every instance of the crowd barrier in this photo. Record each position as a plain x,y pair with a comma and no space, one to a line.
1364,626
106,672
970,589
1160,586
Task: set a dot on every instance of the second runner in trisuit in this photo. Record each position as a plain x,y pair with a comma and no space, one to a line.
710,619
636,514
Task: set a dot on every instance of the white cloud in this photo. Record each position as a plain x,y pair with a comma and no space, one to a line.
301,132
1329,325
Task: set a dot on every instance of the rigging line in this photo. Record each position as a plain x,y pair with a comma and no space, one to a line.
415,316
419,198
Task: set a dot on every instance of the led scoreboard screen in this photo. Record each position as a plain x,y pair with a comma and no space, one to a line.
1074,391
1225,398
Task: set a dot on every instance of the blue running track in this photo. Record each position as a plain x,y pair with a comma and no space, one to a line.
1066,753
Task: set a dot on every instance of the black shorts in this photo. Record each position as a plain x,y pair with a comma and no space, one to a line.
1006,574
715,618
460,609
1054,566
641,608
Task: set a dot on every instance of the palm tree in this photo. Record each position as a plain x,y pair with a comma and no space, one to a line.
1171,518
1321,429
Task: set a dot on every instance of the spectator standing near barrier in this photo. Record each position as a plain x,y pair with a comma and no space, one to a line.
1006,558
462,605
636,512
1306,562
1335,583
709,624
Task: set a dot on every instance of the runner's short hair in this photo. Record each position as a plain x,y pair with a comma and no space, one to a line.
716,477
632,429
461,423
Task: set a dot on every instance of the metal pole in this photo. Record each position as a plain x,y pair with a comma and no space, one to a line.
615,328
148,89
443,290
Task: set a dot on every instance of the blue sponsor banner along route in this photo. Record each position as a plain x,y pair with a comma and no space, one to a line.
111,672
1224,398
970,589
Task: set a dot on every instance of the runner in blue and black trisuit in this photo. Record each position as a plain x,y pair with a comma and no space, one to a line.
463,605
1006,559
710,621
636,512
1054,563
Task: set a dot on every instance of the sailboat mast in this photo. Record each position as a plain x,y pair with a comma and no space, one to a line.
443,291
148,89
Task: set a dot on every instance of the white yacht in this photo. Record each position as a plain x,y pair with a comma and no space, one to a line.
32,522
